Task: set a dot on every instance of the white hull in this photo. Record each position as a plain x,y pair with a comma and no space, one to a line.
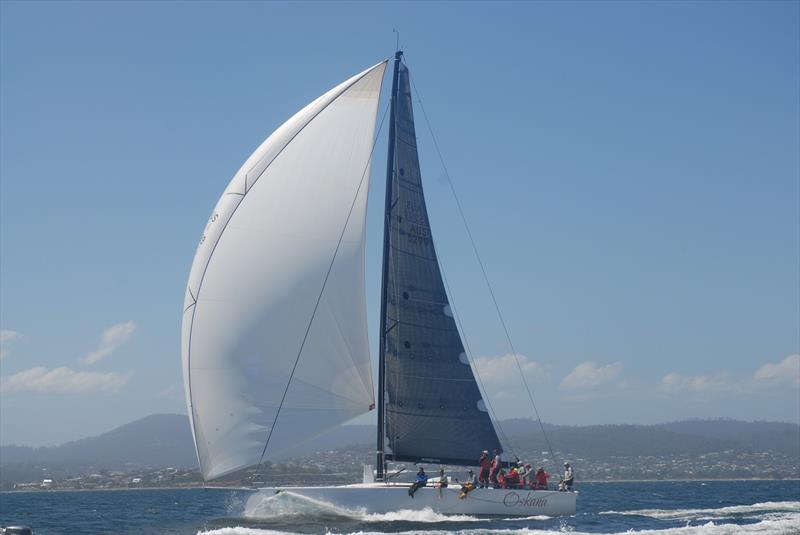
380,498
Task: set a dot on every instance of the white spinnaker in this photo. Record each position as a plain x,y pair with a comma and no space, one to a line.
257,275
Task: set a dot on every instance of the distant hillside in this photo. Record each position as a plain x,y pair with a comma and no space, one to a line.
163,440
158,440
684,437
760,436
602,441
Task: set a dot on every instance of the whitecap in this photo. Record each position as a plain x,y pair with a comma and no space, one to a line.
418,515
776,524
527,518
241,530
720,512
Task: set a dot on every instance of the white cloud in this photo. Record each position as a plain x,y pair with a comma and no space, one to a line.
503,368
113,338
7,336
785,371
675,382
590,374
63,381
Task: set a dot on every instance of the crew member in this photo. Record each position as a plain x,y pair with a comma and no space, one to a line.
486,467
419,482
497,464
469,485
442,482
540,479
568,476
512,479
524,471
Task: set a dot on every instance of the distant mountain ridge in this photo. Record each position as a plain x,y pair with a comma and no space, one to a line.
156,440
163,440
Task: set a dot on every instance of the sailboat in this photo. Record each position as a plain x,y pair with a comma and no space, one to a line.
274,332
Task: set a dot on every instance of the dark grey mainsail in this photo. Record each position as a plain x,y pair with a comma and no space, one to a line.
433,409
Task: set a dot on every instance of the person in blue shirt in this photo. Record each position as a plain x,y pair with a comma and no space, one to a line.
421,481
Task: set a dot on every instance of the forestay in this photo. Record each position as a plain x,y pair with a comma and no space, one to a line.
257,275
434,409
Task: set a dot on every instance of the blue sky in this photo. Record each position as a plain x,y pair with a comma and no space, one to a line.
630,172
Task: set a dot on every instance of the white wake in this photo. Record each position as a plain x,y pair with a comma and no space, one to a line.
418,515
287,504
721,512
774,524
773,518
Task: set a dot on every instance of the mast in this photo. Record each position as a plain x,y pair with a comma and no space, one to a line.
381,461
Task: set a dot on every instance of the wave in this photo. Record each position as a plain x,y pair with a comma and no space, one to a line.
721,512
239,530
528,518
287,508
774,524
427,515
288,504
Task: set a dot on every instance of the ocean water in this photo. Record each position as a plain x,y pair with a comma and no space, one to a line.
659,508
